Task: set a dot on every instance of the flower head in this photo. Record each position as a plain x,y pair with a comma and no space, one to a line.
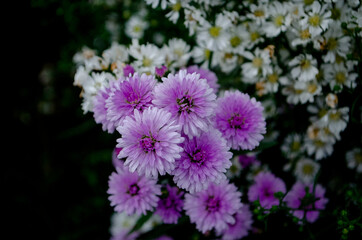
302,196
170,207
213,207
210,76
132,193
238,230
263,189
189,99
150,142
203,161
240,120
135,92
100,109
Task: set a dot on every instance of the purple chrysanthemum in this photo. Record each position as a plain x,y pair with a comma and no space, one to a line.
189,99
240,120
170,207
150,142
241,227
263,189
213,207
128,70
100,109
296,198
204,160
210,76
132,193
135,92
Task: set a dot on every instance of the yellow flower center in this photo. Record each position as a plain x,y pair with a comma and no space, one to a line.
146,62
273,78
207,53
335,116
305,64
340,77
257,62
336,13
176,7
308,169
298,91
214,31
137,28
322,112
254,36
259,13
228,55
312,87
304,34
332,44
295,146
314,20
308,2
235,41
278,20
319,143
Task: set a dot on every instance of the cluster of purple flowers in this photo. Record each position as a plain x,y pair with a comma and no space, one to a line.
178,126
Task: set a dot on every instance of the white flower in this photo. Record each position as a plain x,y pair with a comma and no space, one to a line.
121,222
175,12
147,57
317,19
317,147
135,27
84,55
235,169
273,79
259,65
215,36
280,19
227,61
292,145
304,67
306,170
155,3
96,82
258,13
238,39
299,35
193,18
81,76
318,110
336,119
307,90
201,54
339,74
255,35
335,42
116,52
354,159
177,53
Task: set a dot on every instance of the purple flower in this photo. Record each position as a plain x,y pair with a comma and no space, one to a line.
240,120
100,110
210,76
203,161
238,230
132,193
115,160
170,207
189,99
128,70
150,142
247,159
135,92
310,204
213,207
161,70
263,189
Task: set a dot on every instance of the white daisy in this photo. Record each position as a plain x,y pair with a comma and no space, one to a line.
258,13
306,169
336,119
292,145
216,36
177,53
255,35
135,27
318,109
332,100
280,19
227,61
299,35
155,3
193,18
307,90
176,6
202,55
147,57
259,65
116,52
304,67
335,42
317,19
340,75
318,148
354,159
84,55
238,39
272,80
